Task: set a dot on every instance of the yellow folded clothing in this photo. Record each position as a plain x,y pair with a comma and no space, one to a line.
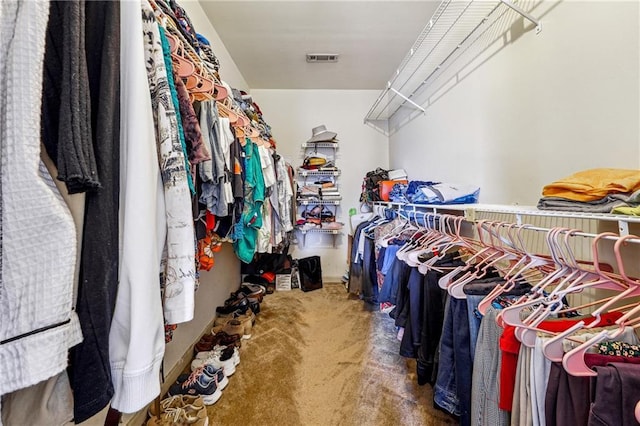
594,184
316,161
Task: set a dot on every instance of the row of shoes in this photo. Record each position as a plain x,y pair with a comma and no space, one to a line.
215,360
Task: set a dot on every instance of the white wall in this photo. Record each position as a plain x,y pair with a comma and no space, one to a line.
540,108
292,114
229,71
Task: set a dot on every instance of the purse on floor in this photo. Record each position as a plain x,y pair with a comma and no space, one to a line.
310,270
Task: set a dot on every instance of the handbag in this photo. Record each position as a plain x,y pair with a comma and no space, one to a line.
278,263
310,270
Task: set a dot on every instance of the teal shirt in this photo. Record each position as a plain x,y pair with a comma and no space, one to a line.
251,218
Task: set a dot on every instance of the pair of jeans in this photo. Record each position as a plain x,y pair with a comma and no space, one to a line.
398,275
453,385
475,319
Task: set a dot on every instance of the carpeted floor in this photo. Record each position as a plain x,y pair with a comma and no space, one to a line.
321,358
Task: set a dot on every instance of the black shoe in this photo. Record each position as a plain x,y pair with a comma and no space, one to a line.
241,305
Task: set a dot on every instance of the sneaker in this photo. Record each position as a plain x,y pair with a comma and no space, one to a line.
198,383
222,361
255,306
213,373
235,354
179,409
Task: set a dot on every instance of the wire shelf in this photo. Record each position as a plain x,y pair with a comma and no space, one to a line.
450,29
333,145
319,202
303,172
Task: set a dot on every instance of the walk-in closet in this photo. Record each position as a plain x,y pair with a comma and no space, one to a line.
407,212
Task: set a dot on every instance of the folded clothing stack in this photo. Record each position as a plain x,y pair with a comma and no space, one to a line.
428,192
319,191
318,217
601,190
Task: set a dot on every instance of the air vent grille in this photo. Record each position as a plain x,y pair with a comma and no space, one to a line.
322,57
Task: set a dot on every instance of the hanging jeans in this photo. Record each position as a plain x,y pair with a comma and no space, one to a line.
453,385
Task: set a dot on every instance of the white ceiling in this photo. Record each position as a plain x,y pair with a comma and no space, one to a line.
268,40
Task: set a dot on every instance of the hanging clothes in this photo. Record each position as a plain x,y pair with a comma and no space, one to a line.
66,106
98,280
179,271
37,323
136,338
246,233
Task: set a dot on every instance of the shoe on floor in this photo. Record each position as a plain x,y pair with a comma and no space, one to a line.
242,307
229,326
179,409
220,321
222,350
180,416
223,360
214,373
199,383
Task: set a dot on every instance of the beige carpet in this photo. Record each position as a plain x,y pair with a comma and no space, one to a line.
320,358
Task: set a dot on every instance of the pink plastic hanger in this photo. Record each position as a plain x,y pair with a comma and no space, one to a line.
486,251
573,361
553,348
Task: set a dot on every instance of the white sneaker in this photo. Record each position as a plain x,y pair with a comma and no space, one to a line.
228,366
217,351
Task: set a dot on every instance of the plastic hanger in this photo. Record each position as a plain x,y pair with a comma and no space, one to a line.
486,251
553,347
512,315
573,361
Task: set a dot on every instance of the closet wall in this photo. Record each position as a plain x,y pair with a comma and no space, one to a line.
292,114
529,108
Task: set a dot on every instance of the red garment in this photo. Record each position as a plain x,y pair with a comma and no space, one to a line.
510,347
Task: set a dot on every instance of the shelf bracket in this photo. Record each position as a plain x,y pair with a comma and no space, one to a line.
517,9
623,227
407,99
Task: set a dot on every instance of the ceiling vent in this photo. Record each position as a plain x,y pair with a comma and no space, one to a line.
322,57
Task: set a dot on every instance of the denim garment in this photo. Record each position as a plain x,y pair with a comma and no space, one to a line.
453,385
380,258
475,319
399,273
389,257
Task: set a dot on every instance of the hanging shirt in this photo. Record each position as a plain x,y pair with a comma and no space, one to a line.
179,275
250,221
38,234
266,162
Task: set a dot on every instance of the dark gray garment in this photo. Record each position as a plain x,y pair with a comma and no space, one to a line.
603,205
66,103
617,390
90,367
